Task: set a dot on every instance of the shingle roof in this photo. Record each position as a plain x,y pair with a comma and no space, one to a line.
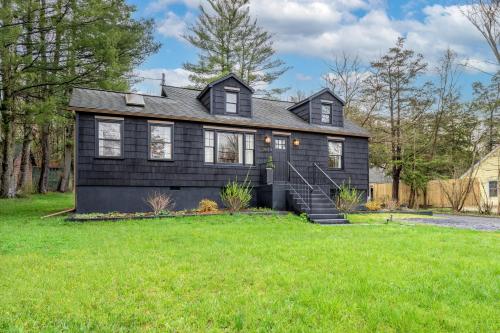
182,104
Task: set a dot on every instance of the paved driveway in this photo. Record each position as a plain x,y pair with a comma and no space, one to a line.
461,221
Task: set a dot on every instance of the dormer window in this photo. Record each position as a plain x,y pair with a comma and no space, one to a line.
326,113
231,102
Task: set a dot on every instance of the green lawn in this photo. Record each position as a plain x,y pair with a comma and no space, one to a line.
233,273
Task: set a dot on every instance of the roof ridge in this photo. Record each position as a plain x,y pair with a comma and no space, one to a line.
117,92
196,89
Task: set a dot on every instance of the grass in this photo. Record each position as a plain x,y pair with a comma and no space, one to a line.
381,218
241,273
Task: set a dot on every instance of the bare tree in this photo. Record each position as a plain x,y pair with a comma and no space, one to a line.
398,70
485,16
447,94
299,96
345,78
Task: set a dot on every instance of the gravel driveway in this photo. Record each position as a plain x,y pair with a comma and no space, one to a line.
461,221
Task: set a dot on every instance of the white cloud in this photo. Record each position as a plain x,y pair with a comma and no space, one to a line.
173,25
446,27
325,28
303,77
178,77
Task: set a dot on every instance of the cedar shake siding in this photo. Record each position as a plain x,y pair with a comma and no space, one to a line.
303,111
187,177
244,98
123,182
337,113
309,109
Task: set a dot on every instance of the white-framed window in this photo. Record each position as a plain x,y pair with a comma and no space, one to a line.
209,146
224,147
109,137
280,144
493,189
229,148
249,149
160,141
326,113
335,154
231,102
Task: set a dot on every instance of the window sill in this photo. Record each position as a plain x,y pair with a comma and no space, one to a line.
108,158
161,160
229,166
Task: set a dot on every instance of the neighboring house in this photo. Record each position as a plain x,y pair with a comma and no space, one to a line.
487,173
377,175
191,143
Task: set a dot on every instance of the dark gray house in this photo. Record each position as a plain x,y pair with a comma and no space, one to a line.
190,143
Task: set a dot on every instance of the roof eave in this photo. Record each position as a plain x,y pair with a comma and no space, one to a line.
215,121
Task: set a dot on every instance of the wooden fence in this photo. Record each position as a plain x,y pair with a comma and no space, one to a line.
436,193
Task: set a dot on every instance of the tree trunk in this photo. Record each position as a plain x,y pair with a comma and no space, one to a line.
7,188
43,182
396,176
24,180
411,199
68,158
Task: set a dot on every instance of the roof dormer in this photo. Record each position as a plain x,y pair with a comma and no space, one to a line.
228,96
322,108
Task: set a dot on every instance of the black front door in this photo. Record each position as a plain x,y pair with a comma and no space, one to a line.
280,158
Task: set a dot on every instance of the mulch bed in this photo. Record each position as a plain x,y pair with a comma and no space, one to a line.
132,216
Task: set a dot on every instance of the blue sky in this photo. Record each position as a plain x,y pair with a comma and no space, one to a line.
310,33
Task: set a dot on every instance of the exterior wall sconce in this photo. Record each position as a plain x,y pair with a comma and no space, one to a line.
267,139
296,142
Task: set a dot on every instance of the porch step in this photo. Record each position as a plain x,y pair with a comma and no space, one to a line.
321,211
316,216
331,221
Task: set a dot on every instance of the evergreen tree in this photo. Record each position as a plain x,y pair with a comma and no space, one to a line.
229,40
47,47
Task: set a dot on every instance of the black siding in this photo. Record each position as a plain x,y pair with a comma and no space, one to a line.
187,170
337,110
302,111
244,98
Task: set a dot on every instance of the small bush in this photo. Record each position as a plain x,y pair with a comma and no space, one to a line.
391,205
160,202
207,206
348,199
373,205
236,196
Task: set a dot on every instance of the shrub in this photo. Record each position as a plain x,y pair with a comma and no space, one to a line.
391,205
207,206
270,163
348,199
236,196
373,205
160,202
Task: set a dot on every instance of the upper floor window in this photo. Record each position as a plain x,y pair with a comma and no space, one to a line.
335,154
326,113
109,137
229,147
493,189
231,102
160,141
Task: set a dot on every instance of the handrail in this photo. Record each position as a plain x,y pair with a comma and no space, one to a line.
326,175
303,179
304,193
